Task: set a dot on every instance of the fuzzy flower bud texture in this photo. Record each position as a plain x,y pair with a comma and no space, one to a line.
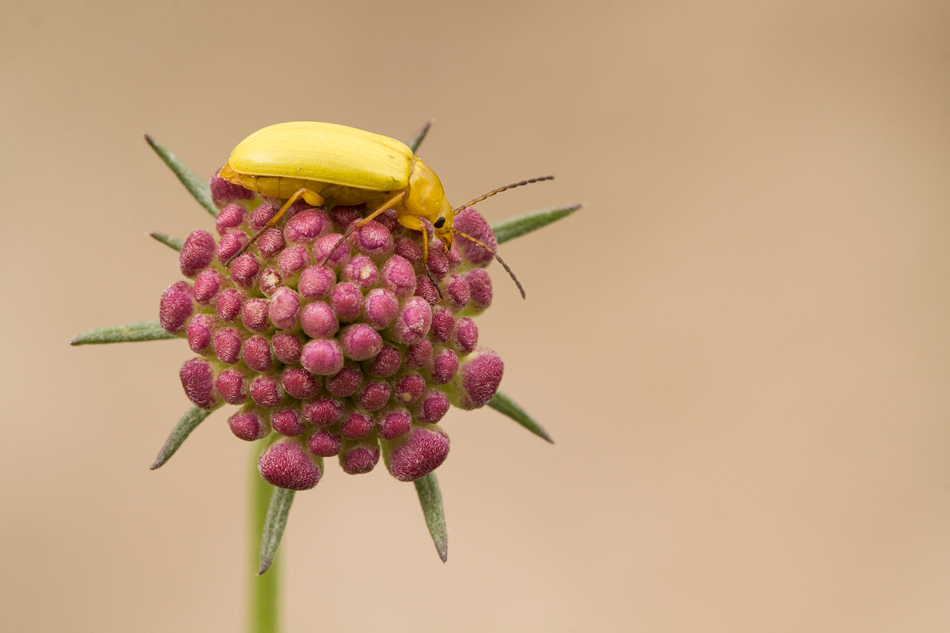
358,358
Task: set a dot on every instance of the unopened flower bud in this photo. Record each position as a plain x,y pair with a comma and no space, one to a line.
393,423
323,411
197,378
249,424
207,285
431,407
386,363
412,323
418,453
356,425
266,392
316,282
254,315
287,347
299,383
176,307
399,277
306,227
229,304
357,458
200,333
360,342
231,385
197,253
286,464
284,308
287,421
324,443
323,357
477,379
227,345
346,300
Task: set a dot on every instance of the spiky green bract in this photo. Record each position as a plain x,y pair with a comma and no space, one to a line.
430,497
520,225
175,243
503,403
274,524
419,136
126,333
188,423
196,187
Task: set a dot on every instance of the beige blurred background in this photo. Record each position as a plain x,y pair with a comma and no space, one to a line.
741,346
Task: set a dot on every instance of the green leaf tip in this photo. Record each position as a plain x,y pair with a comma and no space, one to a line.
188,423
127,333
274,524
430,498
503,403
419,136
175,243
520,225
195,186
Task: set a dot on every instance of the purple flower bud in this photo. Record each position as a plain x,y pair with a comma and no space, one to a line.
256,353
477,379
438,261
316,282
444,366
176,307
346,301
426,290
227,345
197,253
442,323
231,386
306,227
299,383
407,248
318,321
399,276
361,272
386,363
360,342
374,395
287,422
409,388
374,240
356,425
323,443
248,425
345,215
418,454
345,382
207,285
388,220
200,331
322,357
230,244
223,192
457,294
455,257
269,281
197,378
266,392
294,259
380,308
254,315
323,411
231,217
262,215
229,304
465,338
287,347
359,457
431,407
284,307
413,322
469,221
286,464
323,245
479,286
419,355
244,271
270,243
394,423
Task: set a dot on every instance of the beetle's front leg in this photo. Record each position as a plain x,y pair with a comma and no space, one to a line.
413,223
310,197
387,204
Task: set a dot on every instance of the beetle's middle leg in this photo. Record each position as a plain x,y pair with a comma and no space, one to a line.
386,205
310,197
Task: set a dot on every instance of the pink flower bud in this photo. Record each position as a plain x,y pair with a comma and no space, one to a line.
360,341
231,386
380,308
345,382
294,259
386,363
270,243
286,464
479,286
266,392
431,407
197,378
346,301
374,395
176,307
356,425
262,215
256,353
284,308
443,322
426,290
444,366
323,411
407,248
269,281
323,443
200,332
470,222
418,454
438,261
299,383
413,322
207,285
197,253
374,240
306,227
254,315
477,379
248,425
323,246
465,338
244,271
223,192
229,304
227,345
346,215
287,422
394,423
457,294
287,347
399,277
316,282
318,321
230,244
409,388
231,217
322,357
361,272
359,457
419,355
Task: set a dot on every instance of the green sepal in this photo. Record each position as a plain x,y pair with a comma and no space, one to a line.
430,497
419,136
519,225
188,423
503,403
196,187
274,525
127,333
175,243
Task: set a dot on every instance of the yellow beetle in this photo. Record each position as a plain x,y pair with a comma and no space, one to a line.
326,162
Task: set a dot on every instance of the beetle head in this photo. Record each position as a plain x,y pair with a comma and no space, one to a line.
426,200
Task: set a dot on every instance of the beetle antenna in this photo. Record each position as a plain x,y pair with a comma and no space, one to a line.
494,254
499,190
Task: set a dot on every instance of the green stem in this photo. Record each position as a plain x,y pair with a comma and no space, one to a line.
263,615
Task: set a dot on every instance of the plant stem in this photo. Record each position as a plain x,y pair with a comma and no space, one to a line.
263,614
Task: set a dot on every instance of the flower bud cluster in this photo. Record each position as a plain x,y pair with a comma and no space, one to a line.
356,358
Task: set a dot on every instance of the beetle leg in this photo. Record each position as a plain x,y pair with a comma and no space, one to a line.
387,204
309,196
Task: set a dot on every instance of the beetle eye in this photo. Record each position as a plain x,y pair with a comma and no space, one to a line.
439,223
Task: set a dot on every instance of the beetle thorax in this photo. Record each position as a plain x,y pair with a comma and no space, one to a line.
426,199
